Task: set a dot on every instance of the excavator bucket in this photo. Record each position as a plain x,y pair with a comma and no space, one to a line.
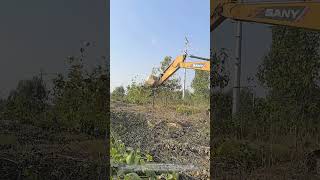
151,80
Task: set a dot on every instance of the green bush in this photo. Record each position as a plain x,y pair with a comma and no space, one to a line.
118,93
138,94
80,99
244,152
121,155
27,101
187,110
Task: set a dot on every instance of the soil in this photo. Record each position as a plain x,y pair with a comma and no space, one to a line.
168,136
30,152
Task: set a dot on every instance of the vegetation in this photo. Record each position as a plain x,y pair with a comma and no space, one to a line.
282,127
161,104
50,129
76,101
118,93
121,155
169,94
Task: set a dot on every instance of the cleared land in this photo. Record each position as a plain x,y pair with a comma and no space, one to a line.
168,135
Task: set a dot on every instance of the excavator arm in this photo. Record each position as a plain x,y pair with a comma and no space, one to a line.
300,14
178,63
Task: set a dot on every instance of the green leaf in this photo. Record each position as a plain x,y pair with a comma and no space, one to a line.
149,158
132,176
130,158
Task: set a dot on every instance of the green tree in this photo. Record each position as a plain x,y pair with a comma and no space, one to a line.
118,93
27,101
173,84
201,84
81,98
220,103
138,94
291,71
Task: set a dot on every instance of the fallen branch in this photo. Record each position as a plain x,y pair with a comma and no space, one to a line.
12,161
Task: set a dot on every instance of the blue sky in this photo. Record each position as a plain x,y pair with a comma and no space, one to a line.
144,32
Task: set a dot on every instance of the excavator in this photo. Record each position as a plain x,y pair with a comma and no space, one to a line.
299,14
179,62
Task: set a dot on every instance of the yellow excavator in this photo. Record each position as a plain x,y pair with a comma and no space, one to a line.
300,14
179,62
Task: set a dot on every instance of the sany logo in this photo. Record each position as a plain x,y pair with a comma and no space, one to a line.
285,13
282,13
197,65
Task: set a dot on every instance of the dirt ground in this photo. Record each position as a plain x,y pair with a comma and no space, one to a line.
168,136
184,139
30,152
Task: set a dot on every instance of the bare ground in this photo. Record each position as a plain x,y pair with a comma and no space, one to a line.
30,152
167,135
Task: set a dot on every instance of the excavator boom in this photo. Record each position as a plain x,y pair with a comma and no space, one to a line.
172,68
300,14
203,66
178,63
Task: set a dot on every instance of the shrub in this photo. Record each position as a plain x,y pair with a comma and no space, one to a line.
138,94
118,93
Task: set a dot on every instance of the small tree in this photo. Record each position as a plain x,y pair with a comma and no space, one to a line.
201,85
138,94
291,73
27,101
118,93
81,98
171,85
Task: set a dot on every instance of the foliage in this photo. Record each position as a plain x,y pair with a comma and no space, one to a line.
220,102
121,155
2,107
27,101
201,84
138,94
118,93
80,99
237,150
279,126
291,70
219,76
171,84
187,110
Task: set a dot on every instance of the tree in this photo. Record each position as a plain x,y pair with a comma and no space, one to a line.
28,100
170,86
201,84
291,69
138,94
220,103
118,93
81,98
